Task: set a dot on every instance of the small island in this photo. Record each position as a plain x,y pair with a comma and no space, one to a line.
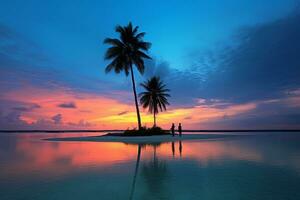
120,137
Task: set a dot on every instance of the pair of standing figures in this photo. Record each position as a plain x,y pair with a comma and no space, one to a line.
179,129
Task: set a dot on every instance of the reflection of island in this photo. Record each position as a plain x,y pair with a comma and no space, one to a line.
66,157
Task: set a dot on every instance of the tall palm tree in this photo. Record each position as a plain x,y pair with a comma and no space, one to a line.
128,51
155,96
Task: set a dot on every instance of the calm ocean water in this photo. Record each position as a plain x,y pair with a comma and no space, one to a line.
261,166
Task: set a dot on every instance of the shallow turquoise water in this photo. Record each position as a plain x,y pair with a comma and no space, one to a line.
260,166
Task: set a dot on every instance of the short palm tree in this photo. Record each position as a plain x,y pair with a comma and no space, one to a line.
128,51
155,96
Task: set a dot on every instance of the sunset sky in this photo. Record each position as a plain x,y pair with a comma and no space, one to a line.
229,64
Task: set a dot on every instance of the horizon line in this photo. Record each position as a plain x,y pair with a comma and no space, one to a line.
187,130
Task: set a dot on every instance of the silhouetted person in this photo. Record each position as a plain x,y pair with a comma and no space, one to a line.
173,129
180,129
180,148
173,149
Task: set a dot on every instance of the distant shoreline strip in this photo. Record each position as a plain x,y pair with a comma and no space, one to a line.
94,131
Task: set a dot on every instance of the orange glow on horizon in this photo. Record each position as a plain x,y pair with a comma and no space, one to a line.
94,111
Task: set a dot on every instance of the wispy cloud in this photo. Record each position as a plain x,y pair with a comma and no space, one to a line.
123,113
26,108
57,119
71,105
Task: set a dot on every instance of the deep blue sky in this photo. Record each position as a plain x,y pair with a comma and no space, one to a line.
234,52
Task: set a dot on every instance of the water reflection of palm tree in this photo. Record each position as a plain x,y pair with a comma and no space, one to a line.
153,168
155,174
136,171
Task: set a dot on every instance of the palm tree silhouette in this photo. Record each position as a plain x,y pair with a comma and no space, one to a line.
155,96
125,52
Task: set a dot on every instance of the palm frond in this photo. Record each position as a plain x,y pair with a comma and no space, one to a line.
144,45
140,35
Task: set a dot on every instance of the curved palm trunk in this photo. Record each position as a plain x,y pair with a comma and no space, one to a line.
154,117
135,99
